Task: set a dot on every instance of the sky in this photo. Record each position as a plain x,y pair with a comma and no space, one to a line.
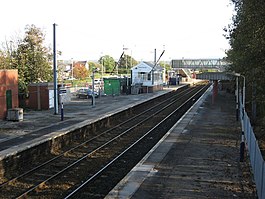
88,29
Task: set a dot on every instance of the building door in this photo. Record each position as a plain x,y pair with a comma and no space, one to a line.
8,99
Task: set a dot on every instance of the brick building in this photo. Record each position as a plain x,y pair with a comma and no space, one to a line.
8,91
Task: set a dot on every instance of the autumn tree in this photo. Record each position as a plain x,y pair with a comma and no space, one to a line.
80,72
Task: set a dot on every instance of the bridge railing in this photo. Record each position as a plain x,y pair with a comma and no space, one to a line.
199,63
256,158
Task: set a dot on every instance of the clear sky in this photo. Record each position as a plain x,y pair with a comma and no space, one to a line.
88,29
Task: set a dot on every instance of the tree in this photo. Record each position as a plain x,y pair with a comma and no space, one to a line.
7,53
126,63
165,65
4,60
93,66
108,62
80,72
30,57
247,54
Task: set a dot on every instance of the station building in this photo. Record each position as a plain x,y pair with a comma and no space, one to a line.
148,76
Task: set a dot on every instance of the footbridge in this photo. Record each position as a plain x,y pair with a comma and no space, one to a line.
214,76
219,64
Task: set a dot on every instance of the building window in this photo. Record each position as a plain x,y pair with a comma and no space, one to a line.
149,76
142,76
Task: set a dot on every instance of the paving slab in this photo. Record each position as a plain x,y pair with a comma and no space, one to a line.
198,158
39,126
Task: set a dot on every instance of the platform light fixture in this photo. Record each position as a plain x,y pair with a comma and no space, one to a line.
242,144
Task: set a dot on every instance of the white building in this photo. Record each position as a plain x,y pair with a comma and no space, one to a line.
149,76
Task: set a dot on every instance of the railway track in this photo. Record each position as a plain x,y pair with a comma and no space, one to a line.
92,168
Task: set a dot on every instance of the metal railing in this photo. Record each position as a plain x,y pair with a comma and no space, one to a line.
256,159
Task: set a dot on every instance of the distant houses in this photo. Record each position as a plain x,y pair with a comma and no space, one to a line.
66,67
145,77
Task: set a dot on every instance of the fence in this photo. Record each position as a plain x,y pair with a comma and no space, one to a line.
256,158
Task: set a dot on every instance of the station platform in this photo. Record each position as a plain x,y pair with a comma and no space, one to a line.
197,158
39,126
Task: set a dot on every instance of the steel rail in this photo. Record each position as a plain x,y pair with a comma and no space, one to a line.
76,162
74,192
89,140
100,147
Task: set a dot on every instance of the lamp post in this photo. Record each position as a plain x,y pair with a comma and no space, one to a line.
72,68
152,71
55,89
244,93
242,144
102,64
126,57
102,72
237,106
93,88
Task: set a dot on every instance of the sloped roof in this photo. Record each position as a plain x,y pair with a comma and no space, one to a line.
142,63
149,64
157,67
80,62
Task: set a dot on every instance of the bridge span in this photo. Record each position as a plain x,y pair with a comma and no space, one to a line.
219,64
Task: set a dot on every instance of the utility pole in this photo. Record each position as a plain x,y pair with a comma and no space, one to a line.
72,68
93,88
102,65
242,144
125,57
152,71
55,72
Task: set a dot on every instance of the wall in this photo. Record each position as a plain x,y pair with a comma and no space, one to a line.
146,75
8,81
39,96
112,86
144,69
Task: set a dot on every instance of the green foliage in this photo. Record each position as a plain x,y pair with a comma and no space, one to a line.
94,65
108,63
126,63
247,54
166,66
110,66
4,60
6,54
30,57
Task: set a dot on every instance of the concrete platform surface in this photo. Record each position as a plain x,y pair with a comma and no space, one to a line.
38,126
198,158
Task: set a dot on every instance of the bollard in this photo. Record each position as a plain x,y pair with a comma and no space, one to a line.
62,111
